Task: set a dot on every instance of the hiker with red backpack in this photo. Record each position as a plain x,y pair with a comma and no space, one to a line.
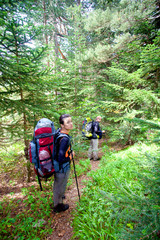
63,157
51,153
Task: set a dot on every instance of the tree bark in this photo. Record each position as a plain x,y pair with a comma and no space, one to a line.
45,24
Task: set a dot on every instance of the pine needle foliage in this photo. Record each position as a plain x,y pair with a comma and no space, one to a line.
150,126
24,85
123,52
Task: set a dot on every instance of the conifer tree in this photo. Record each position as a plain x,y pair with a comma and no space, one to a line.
24,80
119,37
78,85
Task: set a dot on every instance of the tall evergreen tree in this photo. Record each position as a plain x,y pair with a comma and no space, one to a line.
118,40
24,80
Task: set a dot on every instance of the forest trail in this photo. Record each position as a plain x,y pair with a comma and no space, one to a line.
62,221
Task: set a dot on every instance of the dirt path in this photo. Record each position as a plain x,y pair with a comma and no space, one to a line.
62,221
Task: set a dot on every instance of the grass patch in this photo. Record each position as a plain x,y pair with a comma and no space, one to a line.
122,200
27,217
10,155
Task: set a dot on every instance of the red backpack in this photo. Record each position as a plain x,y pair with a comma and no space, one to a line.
41,149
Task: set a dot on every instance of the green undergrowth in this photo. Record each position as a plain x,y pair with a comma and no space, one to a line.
123,199
11,157
28,214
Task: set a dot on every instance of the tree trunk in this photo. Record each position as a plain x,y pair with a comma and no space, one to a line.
45,25
26,143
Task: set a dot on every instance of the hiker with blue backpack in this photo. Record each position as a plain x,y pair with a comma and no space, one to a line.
96,134
63,157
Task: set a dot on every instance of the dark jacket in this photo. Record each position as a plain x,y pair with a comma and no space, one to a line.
64,150
63,154
97,132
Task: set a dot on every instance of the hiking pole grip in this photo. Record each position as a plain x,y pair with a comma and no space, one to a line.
76,177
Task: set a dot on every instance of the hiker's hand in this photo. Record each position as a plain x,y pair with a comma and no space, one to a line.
73,154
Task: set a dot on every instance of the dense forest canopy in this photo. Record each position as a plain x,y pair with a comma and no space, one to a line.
80,57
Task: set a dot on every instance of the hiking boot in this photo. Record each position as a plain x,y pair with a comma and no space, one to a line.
60,207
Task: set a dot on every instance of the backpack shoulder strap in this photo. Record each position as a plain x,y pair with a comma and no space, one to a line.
62,135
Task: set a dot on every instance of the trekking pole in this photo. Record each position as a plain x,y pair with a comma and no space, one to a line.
76,177
39,180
